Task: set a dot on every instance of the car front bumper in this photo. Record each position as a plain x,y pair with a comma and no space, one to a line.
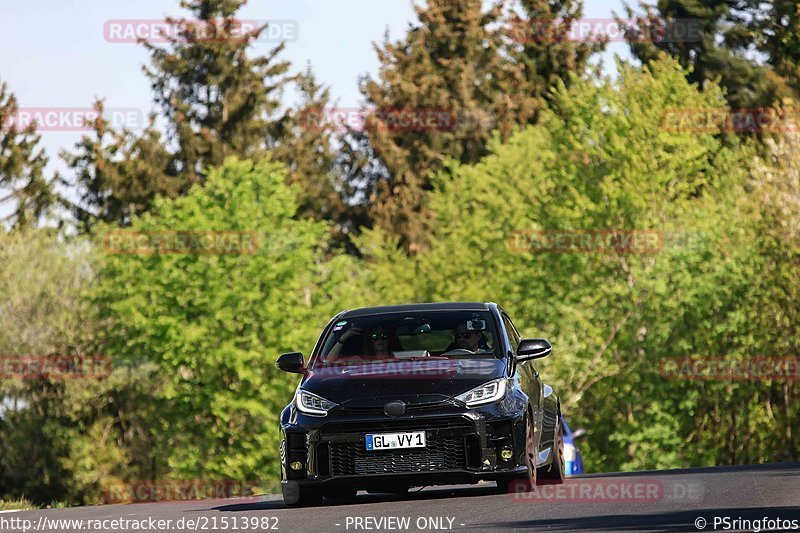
463,446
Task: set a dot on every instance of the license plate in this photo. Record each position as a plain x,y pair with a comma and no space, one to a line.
395,441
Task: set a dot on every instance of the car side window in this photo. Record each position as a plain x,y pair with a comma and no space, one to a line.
513,336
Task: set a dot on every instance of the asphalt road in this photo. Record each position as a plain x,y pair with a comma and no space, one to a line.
674,500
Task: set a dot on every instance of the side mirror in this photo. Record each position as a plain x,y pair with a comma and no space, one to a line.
291,362
578,434
533,349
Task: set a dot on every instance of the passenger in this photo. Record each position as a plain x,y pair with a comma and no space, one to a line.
380,343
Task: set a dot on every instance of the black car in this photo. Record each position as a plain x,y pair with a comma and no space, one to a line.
416,395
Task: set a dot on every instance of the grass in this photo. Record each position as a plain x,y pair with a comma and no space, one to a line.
56,504
16,505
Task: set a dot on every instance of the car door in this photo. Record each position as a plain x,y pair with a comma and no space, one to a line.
529,377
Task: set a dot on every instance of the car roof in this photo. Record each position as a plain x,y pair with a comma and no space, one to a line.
443,306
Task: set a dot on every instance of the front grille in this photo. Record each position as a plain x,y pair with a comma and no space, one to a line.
446,447
444,453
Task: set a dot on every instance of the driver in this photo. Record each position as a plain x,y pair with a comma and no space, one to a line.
472,340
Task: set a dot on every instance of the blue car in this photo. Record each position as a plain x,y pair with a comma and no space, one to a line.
573,463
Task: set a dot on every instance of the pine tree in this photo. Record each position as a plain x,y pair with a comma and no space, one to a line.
304,144
469,66
779,38
216,99
359,172
544,50
718,48
25,194
449,68
118,173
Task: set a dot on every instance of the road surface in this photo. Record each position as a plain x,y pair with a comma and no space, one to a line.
739,498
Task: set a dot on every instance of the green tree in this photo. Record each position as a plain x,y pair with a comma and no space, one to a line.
769,315
118,173
214,323
720,52
779,37
603,162
479,68
543,48
25,193
450,64
216,101
63,439
304,143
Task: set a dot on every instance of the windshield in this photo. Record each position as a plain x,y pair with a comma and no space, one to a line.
438,334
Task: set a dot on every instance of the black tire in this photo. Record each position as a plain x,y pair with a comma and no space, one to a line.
553,474
526,483
299,496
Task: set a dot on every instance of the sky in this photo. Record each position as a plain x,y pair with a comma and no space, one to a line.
62,54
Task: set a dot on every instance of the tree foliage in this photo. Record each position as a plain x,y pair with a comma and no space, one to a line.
216,99
778,33
724,50
536,148
470,66
603,162
304,143
214,323
25,193
64,439
544,51
118,173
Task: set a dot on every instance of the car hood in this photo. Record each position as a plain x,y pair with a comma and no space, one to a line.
372,385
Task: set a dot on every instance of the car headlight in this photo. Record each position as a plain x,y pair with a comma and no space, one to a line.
311,404
486,393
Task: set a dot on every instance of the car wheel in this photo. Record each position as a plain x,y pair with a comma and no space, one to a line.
553,474
524,484
298,496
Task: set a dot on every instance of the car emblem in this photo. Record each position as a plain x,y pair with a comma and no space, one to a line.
396,408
